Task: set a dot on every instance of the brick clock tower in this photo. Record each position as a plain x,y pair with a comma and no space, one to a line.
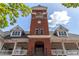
39,38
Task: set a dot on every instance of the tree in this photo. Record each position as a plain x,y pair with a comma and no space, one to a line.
12,11
68,5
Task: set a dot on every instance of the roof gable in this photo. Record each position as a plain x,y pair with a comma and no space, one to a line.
17,28
60,27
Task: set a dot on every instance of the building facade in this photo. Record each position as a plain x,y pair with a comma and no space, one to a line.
39,41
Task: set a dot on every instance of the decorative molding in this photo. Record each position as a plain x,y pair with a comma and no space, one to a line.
39,36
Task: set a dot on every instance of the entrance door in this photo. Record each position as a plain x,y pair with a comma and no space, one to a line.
39,49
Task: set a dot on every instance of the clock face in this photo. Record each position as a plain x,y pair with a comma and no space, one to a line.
39,22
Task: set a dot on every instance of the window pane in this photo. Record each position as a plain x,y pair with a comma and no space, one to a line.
18,33
15,33
59,33
39,31
36,31
62,33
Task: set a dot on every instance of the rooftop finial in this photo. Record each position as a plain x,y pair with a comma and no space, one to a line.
39,5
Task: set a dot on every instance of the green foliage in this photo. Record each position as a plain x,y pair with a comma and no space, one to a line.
68,5
13,11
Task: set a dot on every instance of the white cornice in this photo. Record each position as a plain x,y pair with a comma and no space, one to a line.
39,36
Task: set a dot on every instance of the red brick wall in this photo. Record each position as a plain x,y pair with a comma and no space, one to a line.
47,45
44,25
34,24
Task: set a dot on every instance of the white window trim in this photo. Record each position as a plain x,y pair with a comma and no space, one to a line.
15,35
62,35
57,33
67,34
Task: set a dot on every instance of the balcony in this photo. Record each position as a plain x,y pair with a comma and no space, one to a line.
72,52
20,52
57,52
16,52
71,49
5,52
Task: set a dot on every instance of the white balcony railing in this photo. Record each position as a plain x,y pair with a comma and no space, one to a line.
5,52
66,52
72,52
20,52
57,52
10,52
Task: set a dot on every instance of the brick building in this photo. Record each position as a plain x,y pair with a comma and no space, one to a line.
39,41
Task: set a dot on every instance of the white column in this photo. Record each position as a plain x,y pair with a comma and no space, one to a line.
11,33
67,34
1,45
20,33
77,45
57,33
63,48
14,48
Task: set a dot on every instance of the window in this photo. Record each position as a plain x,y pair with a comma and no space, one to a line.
16,33
41,31
38,31
39,15
63,33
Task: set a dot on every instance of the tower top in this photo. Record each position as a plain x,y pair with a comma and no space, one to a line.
39,7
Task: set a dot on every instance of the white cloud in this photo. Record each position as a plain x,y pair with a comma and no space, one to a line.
59,17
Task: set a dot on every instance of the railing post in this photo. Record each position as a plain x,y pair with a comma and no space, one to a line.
64,50
77,47
14,48
1,45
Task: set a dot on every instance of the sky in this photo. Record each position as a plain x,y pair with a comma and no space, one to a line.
57,14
